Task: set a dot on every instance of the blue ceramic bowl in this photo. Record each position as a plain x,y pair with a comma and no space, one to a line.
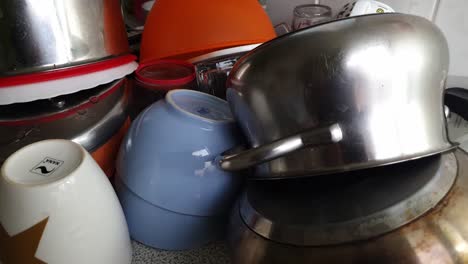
167,157
160,228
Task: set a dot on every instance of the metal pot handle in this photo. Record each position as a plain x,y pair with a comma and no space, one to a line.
248,158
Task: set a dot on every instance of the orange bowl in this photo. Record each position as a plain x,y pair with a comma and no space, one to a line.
106,154
185,29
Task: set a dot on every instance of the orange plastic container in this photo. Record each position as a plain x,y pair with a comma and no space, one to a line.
185,29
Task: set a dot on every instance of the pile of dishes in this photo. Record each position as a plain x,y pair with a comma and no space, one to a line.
62,75
326,124
331,139
63,94
353,129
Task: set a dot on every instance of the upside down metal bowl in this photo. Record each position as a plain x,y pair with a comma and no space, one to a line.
49,34
355,93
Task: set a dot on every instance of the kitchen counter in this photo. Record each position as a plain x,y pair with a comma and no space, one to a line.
215,253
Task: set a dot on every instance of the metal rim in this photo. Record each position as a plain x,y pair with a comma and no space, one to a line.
371,225
72,108
98,125
224,53
259,175
66,72
95,136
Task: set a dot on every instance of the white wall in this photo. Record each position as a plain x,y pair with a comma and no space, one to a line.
281,10
452,18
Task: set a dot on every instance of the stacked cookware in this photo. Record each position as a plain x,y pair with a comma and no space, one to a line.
349,159
62,75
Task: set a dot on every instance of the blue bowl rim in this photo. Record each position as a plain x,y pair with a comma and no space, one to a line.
209,97
127,188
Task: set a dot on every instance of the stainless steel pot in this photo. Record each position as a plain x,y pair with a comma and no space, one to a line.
396,223
50,34
212,69
350,94
89,117
135,12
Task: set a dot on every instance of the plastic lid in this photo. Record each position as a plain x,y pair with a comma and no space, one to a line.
200,105
166,73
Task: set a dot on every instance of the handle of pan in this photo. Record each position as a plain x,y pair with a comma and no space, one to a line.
248,158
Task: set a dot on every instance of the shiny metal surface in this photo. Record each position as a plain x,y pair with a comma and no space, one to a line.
347,207
439,236
90,126
50,34
135,12
96,135
380,77
212,76
224,53
248,158
212,69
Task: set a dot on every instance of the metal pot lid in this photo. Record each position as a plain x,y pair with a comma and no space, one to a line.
347,207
